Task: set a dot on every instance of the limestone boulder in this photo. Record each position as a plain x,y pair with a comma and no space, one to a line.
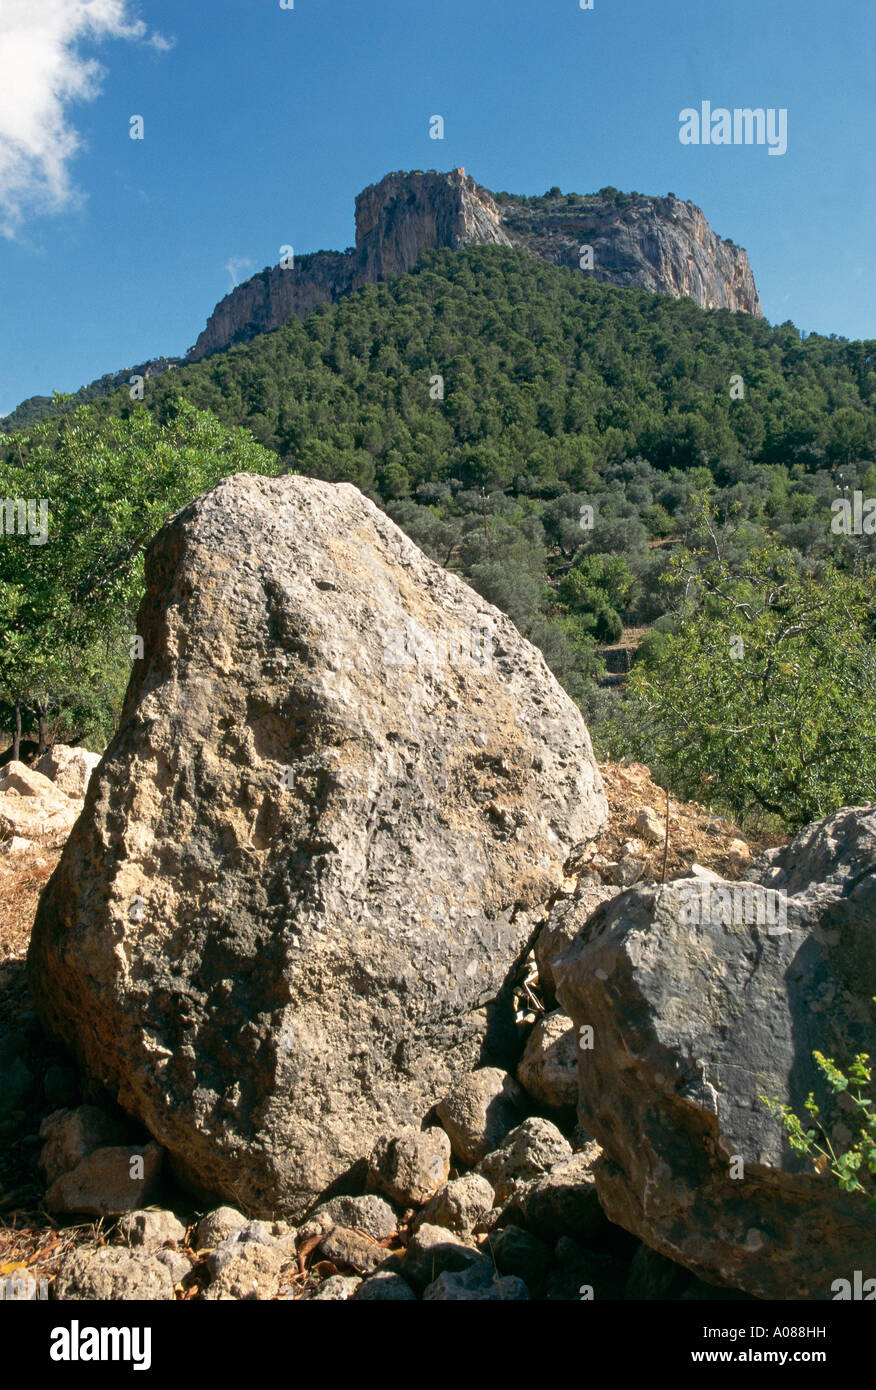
698,998
32,808
69,769
341,789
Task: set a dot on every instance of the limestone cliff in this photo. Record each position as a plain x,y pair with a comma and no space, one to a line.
659,244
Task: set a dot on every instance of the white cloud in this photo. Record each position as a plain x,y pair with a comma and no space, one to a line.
42,74
160,43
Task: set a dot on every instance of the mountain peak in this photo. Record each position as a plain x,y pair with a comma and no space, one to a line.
655,243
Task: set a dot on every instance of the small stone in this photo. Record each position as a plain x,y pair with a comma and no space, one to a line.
71,1135
565,1199
534,1147
478,1285
338,1288
16,844
649,825
370,1214
249,1270
411,1165
738,854
481,1109
248,1236
459,1205
108,1182
344,1246
521,1253
149,1230
548,1068
432,1250
216,1226
385,1287
700,871
627,871
111,1274
179,1266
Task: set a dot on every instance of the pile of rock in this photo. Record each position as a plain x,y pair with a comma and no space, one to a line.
40,805
523,1221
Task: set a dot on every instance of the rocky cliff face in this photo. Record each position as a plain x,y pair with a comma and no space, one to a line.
659,244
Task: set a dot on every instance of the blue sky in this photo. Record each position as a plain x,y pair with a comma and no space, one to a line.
262,124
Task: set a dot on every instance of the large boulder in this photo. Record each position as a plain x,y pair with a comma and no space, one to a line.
342,788
702,997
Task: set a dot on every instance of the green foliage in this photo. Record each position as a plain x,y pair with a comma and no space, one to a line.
765,691
855,1169
67,607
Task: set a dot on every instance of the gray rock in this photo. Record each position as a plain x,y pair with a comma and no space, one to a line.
705,996
661,244
68,768
548,1069
566,918
71,1135
459,1205
149,1230
433,1250
344,1246
476,1285
480,1110
342,787
533,1147
385,1287
370,1214
245,1270
338,1288
253,1233
522,1254
178,1265
109,1182
216,1226
112,1274
564,1200
411,1165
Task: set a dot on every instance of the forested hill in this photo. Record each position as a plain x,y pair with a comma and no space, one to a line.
545,373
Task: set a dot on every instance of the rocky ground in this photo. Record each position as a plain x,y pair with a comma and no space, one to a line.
495,1201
